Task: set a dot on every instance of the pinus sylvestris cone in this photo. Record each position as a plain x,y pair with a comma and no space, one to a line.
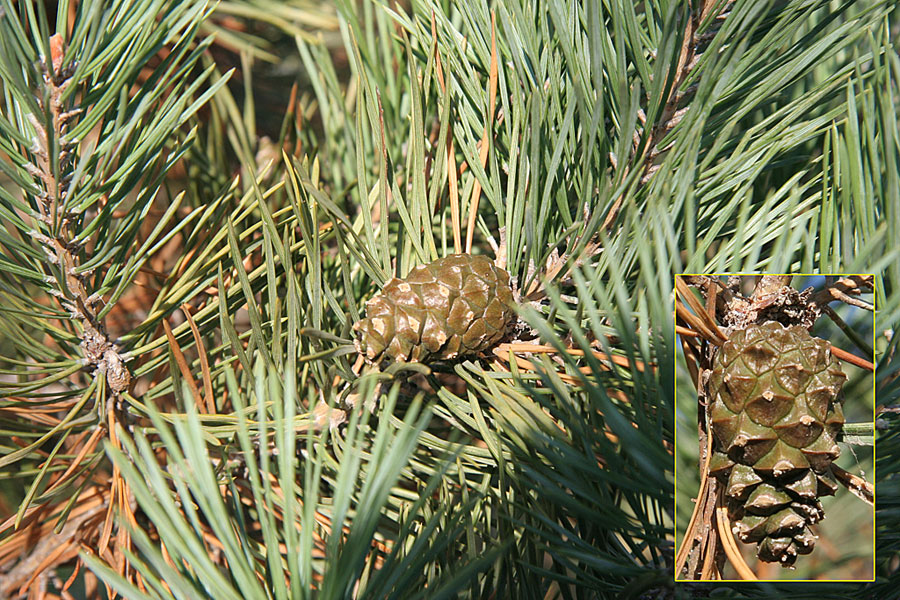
774,415
454,306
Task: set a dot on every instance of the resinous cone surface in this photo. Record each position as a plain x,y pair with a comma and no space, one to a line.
454,306
775,413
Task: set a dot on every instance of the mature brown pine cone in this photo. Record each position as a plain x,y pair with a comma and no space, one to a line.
775,413
455,306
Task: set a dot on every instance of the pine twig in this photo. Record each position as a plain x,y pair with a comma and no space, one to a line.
60,246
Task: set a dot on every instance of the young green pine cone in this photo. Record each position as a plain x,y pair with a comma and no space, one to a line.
455,306
774,414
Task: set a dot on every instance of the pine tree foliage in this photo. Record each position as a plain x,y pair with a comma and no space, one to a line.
185,248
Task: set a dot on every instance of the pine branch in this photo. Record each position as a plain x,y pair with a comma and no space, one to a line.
54,172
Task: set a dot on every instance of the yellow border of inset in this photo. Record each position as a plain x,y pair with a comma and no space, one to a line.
675,423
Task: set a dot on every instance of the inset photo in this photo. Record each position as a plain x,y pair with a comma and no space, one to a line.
774,445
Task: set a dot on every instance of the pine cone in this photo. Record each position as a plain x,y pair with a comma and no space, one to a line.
455,306
774,417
